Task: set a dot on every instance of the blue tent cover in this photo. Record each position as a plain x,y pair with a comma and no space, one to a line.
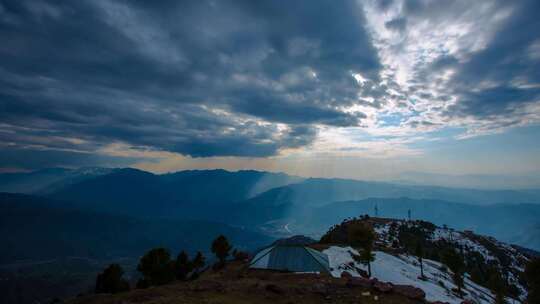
294,258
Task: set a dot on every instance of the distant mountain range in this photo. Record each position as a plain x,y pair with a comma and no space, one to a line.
211,186
47,180
479,181
254,199
319,191
139,193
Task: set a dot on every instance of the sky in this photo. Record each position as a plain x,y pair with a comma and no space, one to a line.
379,90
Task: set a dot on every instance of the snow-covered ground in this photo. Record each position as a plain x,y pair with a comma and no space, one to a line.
461,239
406,270
469,243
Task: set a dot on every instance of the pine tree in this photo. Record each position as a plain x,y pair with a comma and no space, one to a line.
362,235
420,255
111,280
198,261
156,267
183,266
455,262
367,257
221,248
497,286
532,277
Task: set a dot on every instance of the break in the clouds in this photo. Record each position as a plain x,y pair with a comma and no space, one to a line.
259,78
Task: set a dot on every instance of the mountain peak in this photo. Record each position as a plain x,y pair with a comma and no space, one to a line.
397,244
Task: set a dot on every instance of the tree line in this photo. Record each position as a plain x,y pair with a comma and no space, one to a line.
158,268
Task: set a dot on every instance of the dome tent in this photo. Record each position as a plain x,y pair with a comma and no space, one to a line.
294,258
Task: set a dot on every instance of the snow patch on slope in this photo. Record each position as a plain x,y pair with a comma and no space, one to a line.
466,240
461,239
405,270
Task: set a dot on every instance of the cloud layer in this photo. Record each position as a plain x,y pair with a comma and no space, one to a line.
471,65
200,78
256,78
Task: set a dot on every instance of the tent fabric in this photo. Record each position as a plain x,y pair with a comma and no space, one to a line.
291,258
261,259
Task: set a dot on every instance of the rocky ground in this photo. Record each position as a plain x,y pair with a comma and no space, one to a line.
238,284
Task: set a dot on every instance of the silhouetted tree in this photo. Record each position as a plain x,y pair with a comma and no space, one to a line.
183,266
367,257
455,262
420,254
497,286
532,277
362,235
156,267
198,261
221,248
111,280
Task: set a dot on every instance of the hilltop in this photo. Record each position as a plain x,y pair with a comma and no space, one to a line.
396,276
396,261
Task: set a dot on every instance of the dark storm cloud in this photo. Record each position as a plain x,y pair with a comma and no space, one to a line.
508,68
202,78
